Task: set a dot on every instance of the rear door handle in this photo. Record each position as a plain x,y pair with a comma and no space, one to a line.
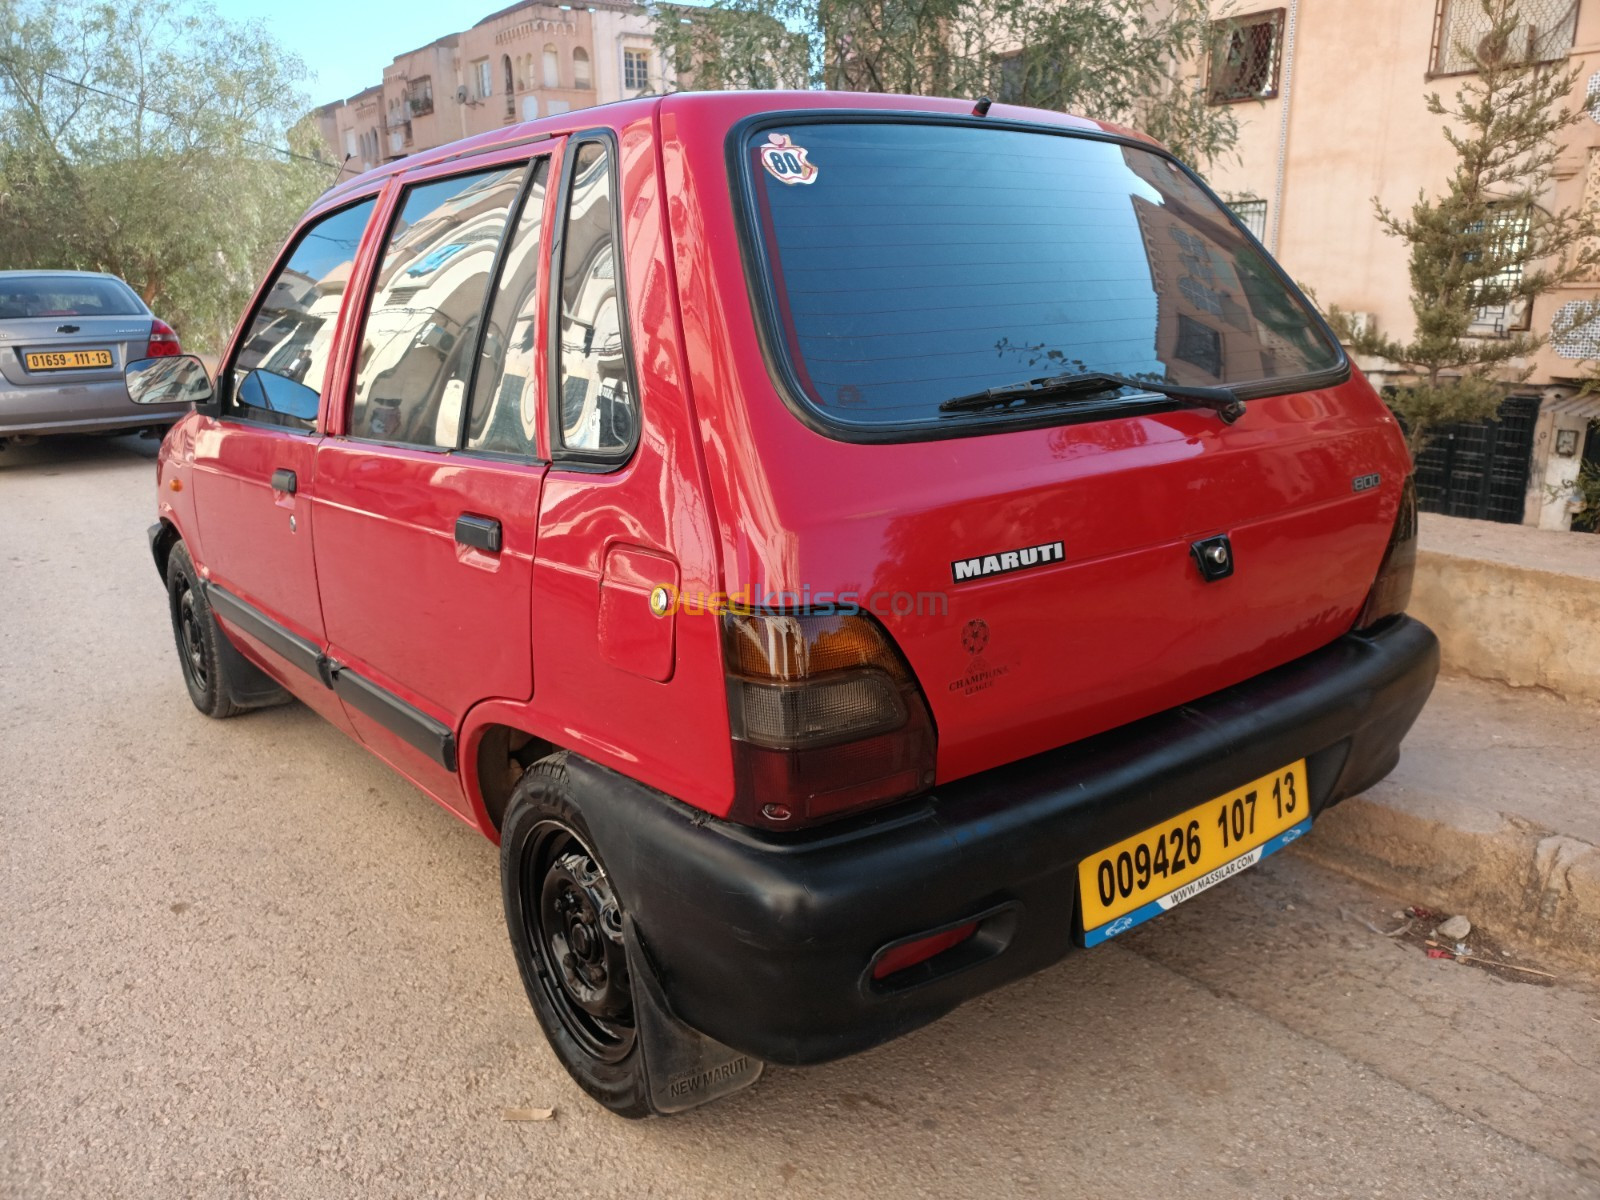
283,480
482,533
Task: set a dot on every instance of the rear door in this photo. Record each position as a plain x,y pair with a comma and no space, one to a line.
254,459
428,493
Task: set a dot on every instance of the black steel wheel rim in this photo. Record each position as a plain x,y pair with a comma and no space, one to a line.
191,636
575,924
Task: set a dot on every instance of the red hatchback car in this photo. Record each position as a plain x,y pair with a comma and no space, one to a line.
848,551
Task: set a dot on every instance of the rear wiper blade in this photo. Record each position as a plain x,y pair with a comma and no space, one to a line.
1220,400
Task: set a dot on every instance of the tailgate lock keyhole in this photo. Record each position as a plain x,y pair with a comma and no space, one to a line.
1214,557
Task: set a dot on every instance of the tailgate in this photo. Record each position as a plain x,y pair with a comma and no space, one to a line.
1114,620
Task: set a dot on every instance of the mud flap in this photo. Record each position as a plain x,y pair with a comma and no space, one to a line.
683,1067
248,685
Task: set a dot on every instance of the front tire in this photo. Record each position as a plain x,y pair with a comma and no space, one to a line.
567,933
198,639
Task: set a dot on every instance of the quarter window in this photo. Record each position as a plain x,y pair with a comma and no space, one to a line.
504,410
283,359
595,393
422,327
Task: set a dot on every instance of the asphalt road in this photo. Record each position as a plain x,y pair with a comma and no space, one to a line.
242,958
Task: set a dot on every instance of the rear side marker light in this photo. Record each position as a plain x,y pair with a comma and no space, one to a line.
163,341
919,950
928,957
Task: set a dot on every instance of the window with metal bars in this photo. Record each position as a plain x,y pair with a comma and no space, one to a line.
1245,57
1461,29
1506,237
1252,213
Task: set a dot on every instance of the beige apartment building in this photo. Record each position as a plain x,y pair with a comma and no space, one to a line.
1331,101
526,61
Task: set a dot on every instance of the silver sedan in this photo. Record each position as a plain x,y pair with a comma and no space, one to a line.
65,337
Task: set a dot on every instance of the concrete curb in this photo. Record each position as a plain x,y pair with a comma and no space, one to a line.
1517,880
1525,627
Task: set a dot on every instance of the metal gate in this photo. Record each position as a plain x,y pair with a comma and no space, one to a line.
1588,521
1480,469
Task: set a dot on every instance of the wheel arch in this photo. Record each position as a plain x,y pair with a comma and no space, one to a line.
498,744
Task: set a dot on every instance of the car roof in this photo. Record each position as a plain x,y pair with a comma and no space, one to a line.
727,106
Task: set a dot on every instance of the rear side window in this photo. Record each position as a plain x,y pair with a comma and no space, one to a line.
421,331
905,264
283,358
66,296
596,405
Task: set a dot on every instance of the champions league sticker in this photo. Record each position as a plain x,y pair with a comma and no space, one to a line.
786,162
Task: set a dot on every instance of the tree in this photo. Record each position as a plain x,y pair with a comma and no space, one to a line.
145,139
1126,61
1488,242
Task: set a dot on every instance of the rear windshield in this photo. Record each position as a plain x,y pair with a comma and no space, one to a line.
910,263
65,296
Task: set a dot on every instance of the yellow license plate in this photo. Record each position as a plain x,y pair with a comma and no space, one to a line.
67,360
1145,875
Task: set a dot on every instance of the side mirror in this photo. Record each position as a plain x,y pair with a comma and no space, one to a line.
172,379
277,394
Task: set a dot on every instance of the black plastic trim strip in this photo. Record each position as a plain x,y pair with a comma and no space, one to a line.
786,378
410,724
403,720
291,646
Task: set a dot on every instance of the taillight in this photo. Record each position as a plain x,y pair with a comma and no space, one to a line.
827,718
1391,592
163,340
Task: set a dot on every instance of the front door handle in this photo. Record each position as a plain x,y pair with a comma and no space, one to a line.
283,480
482,533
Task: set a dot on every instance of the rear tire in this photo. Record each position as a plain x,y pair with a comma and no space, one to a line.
198,639
567,934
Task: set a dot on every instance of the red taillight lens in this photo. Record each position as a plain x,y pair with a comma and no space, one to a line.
909,954
1391,592
826,717
163,341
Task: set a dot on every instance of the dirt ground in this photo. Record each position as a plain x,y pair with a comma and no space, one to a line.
243,958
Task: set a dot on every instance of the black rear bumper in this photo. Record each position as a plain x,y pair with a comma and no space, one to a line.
766,944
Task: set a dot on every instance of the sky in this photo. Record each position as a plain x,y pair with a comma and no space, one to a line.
347,43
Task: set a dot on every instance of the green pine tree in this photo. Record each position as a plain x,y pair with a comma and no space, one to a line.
1486,243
